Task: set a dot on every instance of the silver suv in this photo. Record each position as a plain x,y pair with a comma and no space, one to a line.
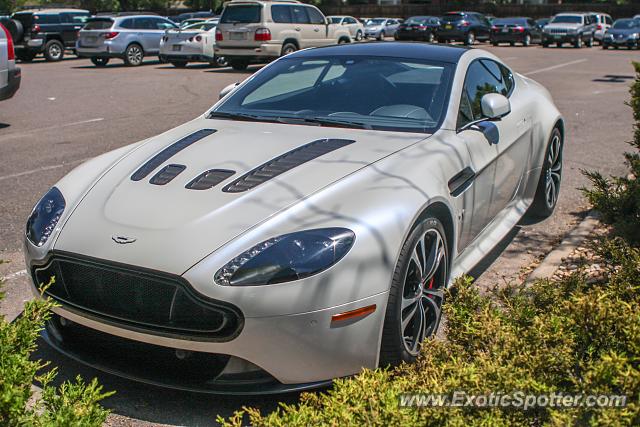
574,28
9,73
129,38
258,30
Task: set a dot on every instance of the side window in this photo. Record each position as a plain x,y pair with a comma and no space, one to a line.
531,22
483,77
127,23
350,21
281,14
161,24
507,76
608,20
315,17
47,19
299,15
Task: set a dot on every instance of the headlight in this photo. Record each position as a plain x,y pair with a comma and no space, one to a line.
633,36
288,257
608,36
45,216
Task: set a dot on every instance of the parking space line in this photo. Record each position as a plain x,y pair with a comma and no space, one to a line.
42,169
83,122
553,67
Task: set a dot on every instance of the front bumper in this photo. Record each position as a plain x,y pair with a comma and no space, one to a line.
560,38
13,84
30,45
623,42
291,351
104,51
507,38
264,51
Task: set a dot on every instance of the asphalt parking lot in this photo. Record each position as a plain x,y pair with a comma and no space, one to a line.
70,111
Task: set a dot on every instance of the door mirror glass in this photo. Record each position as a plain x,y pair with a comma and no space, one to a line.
224,92
495,106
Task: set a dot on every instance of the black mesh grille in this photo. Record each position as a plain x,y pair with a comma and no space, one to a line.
209,179
285,162
141,298
169,152
166,174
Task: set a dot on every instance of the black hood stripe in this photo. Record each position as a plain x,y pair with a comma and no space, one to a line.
209,179
285,162
169,152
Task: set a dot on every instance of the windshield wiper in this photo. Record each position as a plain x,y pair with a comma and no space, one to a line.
239,116
324,121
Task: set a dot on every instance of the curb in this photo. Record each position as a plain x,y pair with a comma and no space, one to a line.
571,242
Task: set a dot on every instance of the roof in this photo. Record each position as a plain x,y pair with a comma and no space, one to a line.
390,49
52,11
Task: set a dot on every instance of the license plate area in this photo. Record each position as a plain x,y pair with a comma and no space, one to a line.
237,35
177,48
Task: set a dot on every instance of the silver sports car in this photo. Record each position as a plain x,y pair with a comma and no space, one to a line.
304,227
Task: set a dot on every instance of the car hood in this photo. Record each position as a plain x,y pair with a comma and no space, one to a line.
563,26
175,227
626,32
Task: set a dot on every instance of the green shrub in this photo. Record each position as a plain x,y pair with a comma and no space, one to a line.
618,198
567,336
71,404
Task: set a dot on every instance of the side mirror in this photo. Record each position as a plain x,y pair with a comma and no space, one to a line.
495,106
224,92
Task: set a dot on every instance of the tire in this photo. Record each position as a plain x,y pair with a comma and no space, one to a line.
179,64
590,42
494,43
288,48
53,51
470,39
219,61
358,35
558,44
15,28
100,62
380,36
546,198
512,44
239,64
133,55
578,43
431,38
527,40
343,40
545,44
605,47
420,290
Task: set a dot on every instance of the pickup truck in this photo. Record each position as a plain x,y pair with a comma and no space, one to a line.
259,31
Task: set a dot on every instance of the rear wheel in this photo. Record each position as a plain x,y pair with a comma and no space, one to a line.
527,40
288,48
431,38
590,42
578,43
179,64
494,43
358,35
548,190
343,40
133,55
53,50
545,44
381,36
470,39
100,62
559,44
239,64
417,291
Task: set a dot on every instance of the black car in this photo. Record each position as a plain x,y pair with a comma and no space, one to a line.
421,28
466,27
542,22
47,31
624,32
515,30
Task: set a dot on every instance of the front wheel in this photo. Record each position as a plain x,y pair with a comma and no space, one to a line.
53,51
578,43
527,40
381,36
590,42
100,62
179,64
359,36
134,55
431,38
416,295
470,39
548,190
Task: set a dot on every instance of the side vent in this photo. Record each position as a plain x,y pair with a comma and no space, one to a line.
209,179
285,162
169,152
166,174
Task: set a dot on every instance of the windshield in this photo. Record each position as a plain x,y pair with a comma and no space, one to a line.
509,21
372,22
567,19
98,24
626,24
241,14
416,20
358,92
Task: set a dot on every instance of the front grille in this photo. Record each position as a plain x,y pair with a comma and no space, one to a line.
139,298
557,31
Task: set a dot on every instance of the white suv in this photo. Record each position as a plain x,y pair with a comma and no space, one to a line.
9,73
255,31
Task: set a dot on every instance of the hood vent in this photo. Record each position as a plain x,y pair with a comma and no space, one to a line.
285,162
166,174
169,152
209,179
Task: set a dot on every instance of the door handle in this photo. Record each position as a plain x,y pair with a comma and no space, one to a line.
316,29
